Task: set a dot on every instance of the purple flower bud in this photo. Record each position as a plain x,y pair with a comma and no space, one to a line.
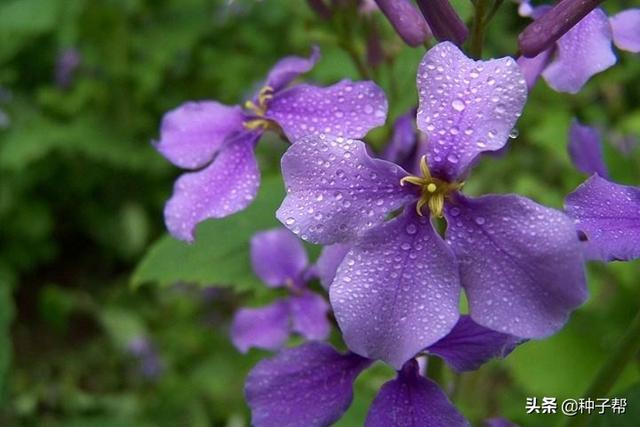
320,8
406,20
546,30
443,20
68,61
375,53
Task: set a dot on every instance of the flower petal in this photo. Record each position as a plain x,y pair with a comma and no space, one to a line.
348,109
330,259
406,20
583,51
412,400
336,191
264,327
278,257
466,107
228,185
469,345
192,134
626,30
397,290
585,149
532,68
290,67
609,215
520,263
309,315
310,385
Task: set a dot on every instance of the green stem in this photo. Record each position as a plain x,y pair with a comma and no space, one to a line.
477,30
606,377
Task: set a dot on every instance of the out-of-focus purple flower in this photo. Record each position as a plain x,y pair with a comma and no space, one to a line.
280,260
397,290
584,48
605,213
320,8
585,149
149,363
216,142
67,63
499,422
406,20
623,143
312,385
404,142
444,22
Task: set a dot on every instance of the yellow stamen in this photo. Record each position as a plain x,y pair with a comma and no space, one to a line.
434,191
263,124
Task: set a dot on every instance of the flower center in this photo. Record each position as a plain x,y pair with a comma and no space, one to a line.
433,191
259,110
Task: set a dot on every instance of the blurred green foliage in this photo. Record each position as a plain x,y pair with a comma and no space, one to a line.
82,189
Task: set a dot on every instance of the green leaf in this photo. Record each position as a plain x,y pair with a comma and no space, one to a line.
630,416
220,254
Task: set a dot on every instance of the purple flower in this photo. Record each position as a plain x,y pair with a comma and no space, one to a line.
312,385
216,142
397,290
585,149
584,50
405,140
66,65
406,20
607,214
279,259
149,363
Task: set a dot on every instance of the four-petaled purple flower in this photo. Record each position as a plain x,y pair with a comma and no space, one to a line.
606,213
397,291
312,385
279,259
584,50
216,142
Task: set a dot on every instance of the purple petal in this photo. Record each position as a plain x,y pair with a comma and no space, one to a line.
585,149
412,400
278,257
397,290
228,185
582,52
626,30
401,149
444,22
290,67
466,107
192,134
310,385
499,422
265,327
520,263
336,191
609,215
309,315
348,109
532,68
469,345
330,259
406,20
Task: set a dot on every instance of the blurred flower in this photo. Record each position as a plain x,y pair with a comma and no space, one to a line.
280,260
149,363
405,140
216,142
583,48
624,143
67,63
313,384
444,22
605,213
337,193
406,20
320,8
